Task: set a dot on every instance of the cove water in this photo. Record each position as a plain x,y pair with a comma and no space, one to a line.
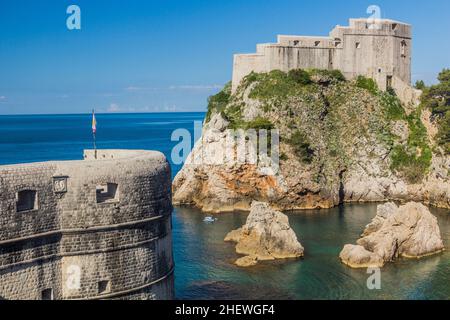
204,262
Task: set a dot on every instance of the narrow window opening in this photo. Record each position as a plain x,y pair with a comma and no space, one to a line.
296,42
104,287
317,43
388,82
403,49
394,26
27,200
337,42
358,45
47,294
107,193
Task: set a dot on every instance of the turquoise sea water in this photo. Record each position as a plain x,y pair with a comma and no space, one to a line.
204,263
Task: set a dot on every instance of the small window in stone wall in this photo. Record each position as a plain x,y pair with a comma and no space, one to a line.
27,200
47,294
317,43
337,42
403,49
296,42
107,192
358,45
104,287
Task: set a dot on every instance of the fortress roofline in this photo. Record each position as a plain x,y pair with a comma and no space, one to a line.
102,155
379,20
306,37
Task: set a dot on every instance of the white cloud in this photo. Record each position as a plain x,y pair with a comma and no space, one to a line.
137,88
196,87
114,107
187,87
2,98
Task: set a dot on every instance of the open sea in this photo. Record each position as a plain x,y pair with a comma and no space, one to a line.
204,263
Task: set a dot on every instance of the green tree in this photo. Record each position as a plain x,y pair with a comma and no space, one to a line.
437,99
420,84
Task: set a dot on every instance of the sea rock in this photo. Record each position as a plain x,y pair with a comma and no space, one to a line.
409,231
383,211
357,257
247,261
265,236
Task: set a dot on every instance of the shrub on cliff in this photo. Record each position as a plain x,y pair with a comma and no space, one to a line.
420,85
300,76
413,159
273,85
260,124
367,83
437,99
218,102
327,75
301,146
392,106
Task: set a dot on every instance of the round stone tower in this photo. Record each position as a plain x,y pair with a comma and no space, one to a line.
93,229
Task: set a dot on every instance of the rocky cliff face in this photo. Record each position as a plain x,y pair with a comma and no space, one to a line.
340,141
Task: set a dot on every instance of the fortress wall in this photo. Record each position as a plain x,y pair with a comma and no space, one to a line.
364,55
16,178
143,191
402,62
139,267
288,58
122,242
28,282
244,64
379,49
410,96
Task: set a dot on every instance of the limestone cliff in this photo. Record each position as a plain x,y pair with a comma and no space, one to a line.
340,141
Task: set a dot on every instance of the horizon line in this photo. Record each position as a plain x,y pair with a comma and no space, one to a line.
90,113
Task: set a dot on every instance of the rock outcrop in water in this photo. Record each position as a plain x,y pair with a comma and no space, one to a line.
340,141
265,236
409,231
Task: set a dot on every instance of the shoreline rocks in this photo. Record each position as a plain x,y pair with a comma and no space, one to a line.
408,231
265,236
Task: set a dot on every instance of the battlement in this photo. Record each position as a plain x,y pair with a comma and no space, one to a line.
379,49
90,229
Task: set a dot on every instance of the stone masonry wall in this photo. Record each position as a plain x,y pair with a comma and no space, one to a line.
80,243
380,50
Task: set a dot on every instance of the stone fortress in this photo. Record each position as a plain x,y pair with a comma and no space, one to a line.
379,49
99,228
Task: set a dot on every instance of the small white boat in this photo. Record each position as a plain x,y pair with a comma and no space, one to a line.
209,219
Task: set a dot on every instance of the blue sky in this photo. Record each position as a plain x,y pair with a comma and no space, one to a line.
170,55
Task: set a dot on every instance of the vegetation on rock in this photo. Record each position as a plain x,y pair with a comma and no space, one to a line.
367,83
218,102
436,98
301,146
321,116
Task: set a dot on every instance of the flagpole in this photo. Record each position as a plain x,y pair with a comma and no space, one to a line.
95,146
